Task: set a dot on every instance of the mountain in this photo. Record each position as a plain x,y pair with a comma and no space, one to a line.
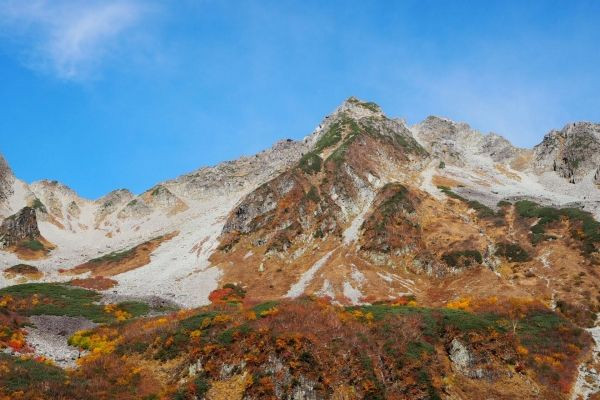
365,209
361,194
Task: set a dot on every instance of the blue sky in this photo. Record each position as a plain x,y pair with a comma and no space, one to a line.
108,94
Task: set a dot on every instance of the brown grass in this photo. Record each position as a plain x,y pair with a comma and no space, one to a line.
504,171
25,253
95,283
23,270
522,161
137,257
439,180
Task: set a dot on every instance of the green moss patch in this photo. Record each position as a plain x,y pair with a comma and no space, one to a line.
311,163
512,252
462,258
483,211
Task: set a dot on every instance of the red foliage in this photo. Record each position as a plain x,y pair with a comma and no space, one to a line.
220,295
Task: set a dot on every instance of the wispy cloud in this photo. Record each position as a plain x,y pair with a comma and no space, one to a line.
70,39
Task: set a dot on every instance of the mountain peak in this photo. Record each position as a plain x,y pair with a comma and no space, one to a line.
359,109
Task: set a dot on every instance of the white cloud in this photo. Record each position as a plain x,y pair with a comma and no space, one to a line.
70,39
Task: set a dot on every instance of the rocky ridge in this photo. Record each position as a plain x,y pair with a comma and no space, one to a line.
324,192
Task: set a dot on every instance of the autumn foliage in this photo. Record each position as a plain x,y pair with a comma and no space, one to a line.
238,348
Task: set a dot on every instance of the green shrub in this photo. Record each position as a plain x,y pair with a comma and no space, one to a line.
504,203
115,256
310,163
512,252
195,321
397,202
135,308
313,195
462,258
38,205
437,320
416,349
201,385
318,234
368,105
590,235
25,373
329,138
33,245
262,307
483,211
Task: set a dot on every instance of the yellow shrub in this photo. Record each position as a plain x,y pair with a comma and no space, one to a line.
460,304
522,350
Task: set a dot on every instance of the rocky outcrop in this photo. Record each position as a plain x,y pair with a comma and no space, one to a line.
55,196
161,198
463,361
18,227
112,203
136,208
457,142
6,178
392,226
572,153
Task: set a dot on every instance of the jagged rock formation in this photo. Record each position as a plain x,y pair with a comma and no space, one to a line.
458,143
573,152
6,178
18,227
233,176
111,203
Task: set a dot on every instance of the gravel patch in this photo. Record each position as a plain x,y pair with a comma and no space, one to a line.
49,334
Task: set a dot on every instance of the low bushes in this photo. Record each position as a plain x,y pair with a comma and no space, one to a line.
512,252
462,258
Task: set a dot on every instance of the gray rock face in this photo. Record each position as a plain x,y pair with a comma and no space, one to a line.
456,142
55,196
463,361
20,226
161,197
573,152
304,388
233,176
112,203
498,148
6,178
136,208
256,204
